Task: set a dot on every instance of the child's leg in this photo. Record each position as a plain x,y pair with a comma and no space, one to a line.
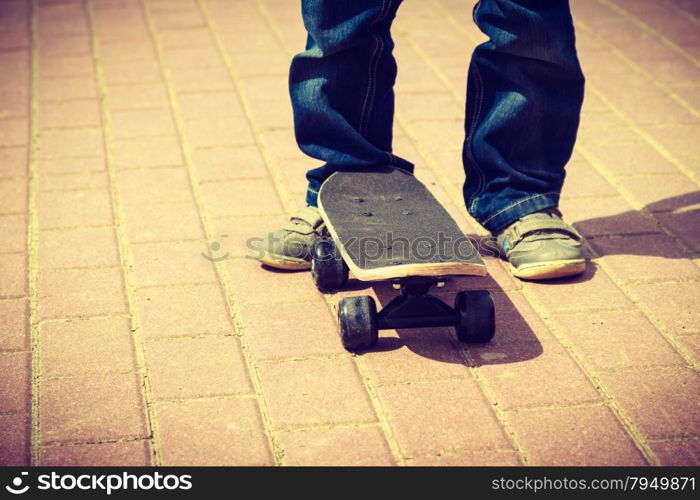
341,86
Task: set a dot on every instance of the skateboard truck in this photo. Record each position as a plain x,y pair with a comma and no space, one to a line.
473,314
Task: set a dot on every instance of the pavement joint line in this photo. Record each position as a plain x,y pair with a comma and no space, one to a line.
592,197
132,168
180,241
234,310
61,444
649,369
83,318
139,137
618,236
11,297
588,404
63,229
126,258
648,29
56,270
332,426
210,397
284,195
643,368
3,214
301,359
689,437
137,109
661,281
210,92
433,380
175,285
89,374
33,240
228,396
51,443
457,452
233,179
78,173
15,412
232,147
592,310
160,203
12,252
645,175
12,352
71,127
247,217
194,336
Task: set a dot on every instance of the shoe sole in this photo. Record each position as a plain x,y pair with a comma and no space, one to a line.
549,270
283,262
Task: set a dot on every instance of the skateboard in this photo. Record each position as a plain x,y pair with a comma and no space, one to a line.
385,225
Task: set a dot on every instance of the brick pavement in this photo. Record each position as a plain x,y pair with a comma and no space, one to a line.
135,134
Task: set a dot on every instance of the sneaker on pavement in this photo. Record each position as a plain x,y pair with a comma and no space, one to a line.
542,246
289,248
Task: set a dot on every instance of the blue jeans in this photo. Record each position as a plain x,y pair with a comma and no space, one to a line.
524,96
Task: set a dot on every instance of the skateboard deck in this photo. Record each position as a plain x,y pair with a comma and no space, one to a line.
388,225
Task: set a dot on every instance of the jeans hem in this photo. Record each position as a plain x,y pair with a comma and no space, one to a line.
505,217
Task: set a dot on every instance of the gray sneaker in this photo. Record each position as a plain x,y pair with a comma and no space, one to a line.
542,246
290,247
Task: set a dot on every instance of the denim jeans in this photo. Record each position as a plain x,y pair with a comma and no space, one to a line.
524,95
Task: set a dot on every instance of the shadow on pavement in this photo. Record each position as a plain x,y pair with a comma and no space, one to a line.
515,340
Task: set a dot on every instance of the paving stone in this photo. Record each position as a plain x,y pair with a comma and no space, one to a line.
87,346
430,417
14,439
80,247
183,310
14,324
315,392
661,403
192,367
364,446
574,436
617,339
119,454
546,375
81,293
14,386
92,408
212,432
171,263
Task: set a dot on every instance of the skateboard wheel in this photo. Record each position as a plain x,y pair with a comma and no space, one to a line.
328,269
357,317
476,316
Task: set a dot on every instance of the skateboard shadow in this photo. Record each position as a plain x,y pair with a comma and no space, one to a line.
680,215
515,340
